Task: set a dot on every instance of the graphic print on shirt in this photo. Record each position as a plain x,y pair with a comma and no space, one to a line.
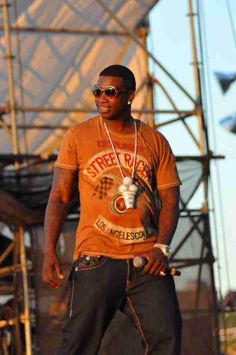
118,204
102,171
105,184
104,161
121,234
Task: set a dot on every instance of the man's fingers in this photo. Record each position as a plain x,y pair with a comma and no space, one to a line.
154,268
52,270
147,267
47,275
151,265
160,272
54,284
59,271
49,279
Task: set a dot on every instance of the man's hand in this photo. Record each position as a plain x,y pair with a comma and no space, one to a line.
156,262
52,268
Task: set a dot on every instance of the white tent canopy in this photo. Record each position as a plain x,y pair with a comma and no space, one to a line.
58,51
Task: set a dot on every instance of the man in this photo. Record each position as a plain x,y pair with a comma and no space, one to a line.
129,195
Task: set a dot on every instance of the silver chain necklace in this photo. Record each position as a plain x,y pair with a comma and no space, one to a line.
128,188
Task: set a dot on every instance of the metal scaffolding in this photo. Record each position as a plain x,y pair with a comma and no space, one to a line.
26,172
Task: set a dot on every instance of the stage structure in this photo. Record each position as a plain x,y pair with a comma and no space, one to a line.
51,52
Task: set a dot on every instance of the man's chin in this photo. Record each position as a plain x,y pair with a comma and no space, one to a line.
107,116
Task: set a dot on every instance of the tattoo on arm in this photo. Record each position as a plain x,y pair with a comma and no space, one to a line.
56,211
63,181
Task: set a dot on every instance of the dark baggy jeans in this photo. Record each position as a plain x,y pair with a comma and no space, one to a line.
100,286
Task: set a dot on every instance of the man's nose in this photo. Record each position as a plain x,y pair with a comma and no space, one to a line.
103,97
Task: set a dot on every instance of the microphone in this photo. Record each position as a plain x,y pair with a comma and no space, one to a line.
139,262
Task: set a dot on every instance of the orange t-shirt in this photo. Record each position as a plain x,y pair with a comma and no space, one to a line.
106,227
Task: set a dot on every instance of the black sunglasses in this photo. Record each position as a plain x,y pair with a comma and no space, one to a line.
110,91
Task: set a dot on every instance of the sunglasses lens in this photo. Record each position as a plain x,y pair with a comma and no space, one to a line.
110,91
97,91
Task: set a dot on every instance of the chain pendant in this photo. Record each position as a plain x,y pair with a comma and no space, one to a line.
129,190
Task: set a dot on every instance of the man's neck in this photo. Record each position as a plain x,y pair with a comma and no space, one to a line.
125,126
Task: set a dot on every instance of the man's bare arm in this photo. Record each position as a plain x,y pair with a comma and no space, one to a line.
169,214
168,219
56,211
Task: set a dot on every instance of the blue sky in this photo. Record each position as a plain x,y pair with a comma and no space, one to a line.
170,42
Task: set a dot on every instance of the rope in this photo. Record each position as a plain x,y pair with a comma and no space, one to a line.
114,151
214,143
231,21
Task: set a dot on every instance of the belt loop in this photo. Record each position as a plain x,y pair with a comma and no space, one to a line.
129,271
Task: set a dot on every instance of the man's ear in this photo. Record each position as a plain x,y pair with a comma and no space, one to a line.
131,96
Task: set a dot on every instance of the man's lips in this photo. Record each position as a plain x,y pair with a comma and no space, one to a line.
103,109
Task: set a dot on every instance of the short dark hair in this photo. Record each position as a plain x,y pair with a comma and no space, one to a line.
122,72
